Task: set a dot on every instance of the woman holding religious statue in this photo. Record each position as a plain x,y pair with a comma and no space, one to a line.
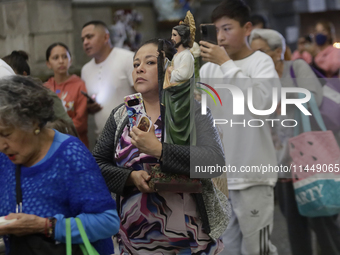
154,221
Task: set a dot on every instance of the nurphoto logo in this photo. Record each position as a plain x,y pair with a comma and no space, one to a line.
204,97
239,102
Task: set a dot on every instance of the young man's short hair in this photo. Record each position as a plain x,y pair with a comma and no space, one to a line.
96,23
233,9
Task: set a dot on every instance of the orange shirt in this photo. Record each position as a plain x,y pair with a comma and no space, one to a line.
73,101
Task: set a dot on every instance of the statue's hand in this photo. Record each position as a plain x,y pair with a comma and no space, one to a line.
169,70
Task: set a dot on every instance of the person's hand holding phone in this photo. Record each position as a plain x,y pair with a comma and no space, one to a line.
213,53
92,106
210,51
146,142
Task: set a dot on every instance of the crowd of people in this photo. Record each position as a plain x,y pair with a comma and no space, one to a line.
49,174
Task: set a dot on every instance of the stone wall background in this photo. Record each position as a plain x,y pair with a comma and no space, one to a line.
32,25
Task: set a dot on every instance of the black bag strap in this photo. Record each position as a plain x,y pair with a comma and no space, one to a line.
18,189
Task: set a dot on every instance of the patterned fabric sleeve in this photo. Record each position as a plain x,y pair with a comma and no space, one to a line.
179,159
103,152
86,186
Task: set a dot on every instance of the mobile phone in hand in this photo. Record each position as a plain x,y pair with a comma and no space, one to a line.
90,100
135,109
208,33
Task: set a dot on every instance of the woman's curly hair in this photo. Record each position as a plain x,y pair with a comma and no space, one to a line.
24,101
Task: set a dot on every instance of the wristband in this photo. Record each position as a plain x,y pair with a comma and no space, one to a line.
51,227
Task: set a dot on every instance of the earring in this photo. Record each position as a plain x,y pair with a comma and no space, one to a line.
37,131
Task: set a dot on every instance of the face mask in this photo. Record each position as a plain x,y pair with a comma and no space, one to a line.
320,39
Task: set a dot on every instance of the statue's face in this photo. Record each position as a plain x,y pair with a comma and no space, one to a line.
175,37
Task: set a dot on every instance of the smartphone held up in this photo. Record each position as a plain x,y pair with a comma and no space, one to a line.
208,33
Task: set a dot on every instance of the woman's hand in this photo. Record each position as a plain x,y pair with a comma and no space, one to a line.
146,142
24,225
140,180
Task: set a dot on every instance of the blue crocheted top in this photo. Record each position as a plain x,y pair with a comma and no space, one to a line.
68,183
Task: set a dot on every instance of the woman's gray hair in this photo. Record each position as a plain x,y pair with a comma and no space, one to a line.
273,38
23,102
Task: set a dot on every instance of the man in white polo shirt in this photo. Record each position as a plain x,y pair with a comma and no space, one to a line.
108,76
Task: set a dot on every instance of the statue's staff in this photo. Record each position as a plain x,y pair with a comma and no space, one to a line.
160,66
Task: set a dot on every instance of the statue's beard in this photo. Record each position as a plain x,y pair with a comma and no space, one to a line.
176,45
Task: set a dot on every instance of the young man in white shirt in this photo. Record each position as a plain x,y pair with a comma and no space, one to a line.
251,194
108,76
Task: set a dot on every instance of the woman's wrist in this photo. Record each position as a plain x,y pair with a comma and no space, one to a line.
41,225
159,151
130,179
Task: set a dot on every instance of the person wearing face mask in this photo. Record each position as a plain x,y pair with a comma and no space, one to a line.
299,227
327,58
